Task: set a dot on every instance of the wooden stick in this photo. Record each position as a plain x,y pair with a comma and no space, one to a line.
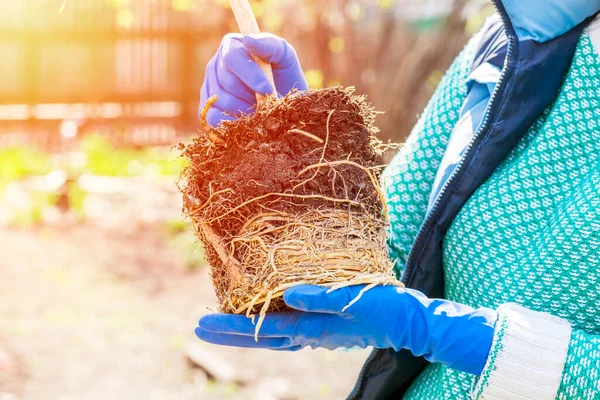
248,25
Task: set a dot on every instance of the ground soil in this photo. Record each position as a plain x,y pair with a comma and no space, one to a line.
96,313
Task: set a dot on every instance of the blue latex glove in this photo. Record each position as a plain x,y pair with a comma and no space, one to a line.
384,317
235,77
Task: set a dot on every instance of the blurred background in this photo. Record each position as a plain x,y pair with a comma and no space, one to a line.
101,281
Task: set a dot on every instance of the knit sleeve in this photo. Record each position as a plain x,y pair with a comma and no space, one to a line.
556,355
581,375
409,177
536,355
527,357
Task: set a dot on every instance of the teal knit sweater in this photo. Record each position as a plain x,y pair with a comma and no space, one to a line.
527,242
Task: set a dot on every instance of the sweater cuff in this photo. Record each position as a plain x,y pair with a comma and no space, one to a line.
527,357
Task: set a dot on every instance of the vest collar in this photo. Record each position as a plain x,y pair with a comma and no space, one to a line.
544,20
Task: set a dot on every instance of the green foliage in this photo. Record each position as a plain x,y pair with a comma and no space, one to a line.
17,162
96,156
100,158
76,199
177,227
105,159
32,215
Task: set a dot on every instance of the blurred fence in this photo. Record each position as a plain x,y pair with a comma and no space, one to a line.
101,66
132,69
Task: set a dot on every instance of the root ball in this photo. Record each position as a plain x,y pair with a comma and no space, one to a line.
289,195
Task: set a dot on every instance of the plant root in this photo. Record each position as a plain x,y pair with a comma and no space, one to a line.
290,195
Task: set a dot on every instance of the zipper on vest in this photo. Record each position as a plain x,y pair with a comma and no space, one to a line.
432,215
425,230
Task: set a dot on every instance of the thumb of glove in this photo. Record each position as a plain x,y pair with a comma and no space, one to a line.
287,71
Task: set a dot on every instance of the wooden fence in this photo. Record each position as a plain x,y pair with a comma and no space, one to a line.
104,67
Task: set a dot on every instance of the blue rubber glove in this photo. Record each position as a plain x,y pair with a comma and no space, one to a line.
235,77
384,317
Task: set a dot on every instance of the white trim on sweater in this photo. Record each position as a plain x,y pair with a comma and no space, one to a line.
527,357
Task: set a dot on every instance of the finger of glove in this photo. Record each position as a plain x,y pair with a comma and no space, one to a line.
287,71
226,101
231,83
271,48
216,115
311,298
300,328
232,105
330,331
236,59
291,348
244,341
314,330
224,83
207,91
274,325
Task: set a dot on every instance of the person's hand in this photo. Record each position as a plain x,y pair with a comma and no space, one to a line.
235,77
384,317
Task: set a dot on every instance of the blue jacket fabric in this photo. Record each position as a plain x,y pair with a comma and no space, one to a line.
533,42
481,83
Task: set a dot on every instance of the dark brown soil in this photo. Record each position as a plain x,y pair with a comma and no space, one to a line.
261,156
